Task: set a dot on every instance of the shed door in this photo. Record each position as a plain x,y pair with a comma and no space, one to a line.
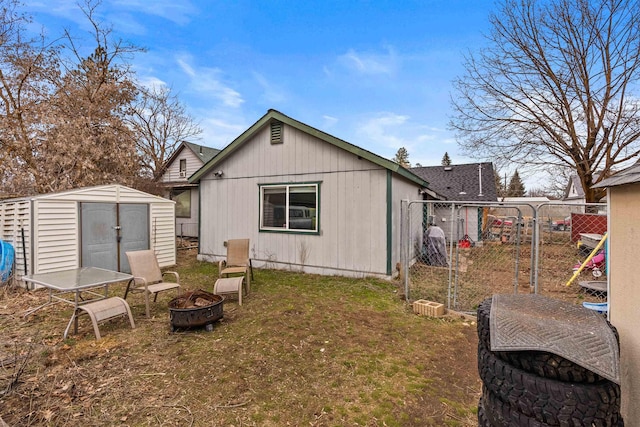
134,231
109,230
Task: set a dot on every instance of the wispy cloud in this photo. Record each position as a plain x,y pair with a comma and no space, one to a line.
206,81
180,12
329,121
152,82
382,129
370,63
384,133
219,128
125,16
271,93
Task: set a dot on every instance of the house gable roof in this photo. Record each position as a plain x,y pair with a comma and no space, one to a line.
574,182
200,151
276,115
461,182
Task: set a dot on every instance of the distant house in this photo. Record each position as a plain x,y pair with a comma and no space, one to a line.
471,182
187,159
574,193
306,200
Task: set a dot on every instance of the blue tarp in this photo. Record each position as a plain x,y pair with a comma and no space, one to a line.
7,254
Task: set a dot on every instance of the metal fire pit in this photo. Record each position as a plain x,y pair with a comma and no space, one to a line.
195,308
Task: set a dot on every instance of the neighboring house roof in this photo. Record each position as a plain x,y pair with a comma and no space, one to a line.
468,182
202,152
630,175
276,115
575,185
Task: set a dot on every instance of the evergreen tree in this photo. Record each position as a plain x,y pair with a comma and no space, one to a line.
500,190
446,160
516,187
402,158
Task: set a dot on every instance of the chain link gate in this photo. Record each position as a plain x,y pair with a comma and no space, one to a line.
569,233
460,253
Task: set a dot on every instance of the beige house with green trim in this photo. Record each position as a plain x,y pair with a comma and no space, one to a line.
307,201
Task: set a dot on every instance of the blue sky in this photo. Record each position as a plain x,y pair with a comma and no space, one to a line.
374,73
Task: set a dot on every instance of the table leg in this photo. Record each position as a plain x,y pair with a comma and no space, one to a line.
75,310
50,302
74,317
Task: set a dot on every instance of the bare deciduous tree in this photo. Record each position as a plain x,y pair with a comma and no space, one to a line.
89,142
555,87
28,66
160,123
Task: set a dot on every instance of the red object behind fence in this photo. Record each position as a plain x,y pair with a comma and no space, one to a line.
587,223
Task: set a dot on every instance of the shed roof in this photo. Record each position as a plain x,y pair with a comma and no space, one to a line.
630,175
468,182
96,191
276,115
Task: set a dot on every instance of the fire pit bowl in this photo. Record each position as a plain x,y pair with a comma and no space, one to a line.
195,308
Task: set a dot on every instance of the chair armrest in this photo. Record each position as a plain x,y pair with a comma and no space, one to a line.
175,276
138,281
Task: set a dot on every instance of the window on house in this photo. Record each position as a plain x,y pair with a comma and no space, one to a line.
183,168
289,207
183,203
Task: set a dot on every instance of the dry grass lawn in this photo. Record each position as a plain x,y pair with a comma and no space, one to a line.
302,350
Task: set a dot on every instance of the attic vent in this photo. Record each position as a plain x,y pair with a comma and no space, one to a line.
448,168
276,132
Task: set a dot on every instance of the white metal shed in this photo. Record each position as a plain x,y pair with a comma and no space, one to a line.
92,226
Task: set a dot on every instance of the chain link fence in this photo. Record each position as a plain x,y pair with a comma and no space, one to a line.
459,253
569,236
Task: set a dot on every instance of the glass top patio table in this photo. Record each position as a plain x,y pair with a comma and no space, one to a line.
77,278
75,281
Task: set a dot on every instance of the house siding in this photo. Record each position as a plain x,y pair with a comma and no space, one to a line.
403,190
352,213
172,174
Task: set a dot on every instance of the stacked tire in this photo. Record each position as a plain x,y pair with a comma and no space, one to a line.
535,388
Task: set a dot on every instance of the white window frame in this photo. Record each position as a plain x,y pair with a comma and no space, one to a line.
286,187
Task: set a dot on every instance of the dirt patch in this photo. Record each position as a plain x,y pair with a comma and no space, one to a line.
302,350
